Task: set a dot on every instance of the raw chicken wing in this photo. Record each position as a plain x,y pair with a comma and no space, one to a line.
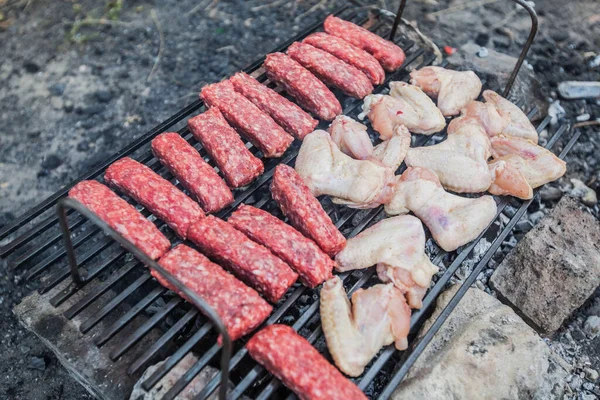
508,179
377,317
397,246
460,161
407,105
452,220
453,89
326,170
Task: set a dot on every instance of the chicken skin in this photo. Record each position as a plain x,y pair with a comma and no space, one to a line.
452,220
518,160
397,246
498,116
460,161
377,317
452,89
406,105
352,139
355,183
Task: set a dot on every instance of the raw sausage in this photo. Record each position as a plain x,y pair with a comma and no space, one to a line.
331,70
287,114
304,211
390,56
249,261
302,254
155,193
122,217
309,91
249,120
348,53
222,143
188,166
293,360
241,309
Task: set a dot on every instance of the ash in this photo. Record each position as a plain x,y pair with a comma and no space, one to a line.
74,93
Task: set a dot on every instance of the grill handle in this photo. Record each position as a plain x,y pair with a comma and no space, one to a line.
68,203
524,51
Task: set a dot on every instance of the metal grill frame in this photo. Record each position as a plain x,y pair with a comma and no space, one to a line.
65,204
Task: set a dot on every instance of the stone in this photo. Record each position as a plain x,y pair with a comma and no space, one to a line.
550,193
592,326
37,363
93,109
496,69
57,89
56,103
591,374
582,191
51,162
579,90
31,67
482,339
68,106
576,383
554,269
482,39
103,96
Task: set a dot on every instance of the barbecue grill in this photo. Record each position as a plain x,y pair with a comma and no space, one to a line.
74,255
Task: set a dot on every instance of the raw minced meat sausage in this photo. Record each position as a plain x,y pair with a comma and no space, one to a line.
300,83
122,217
248,119
180,157
251,262
302,254
331,70
304,211
241,308
348,53
237,164
293,360
390,56
155,193
287,114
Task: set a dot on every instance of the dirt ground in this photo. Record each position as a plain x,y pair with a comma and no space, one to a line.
81,79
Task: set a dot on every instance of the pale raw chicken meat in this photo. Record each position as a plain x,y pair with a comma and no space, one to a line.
452,220
508,179
498,116
397,246
352,139
460,161
452,89
377,317
406,105
536,164
326,170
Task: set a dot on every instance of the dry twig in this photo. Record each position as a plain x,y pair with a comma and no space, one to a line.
161,39
462,6
268,5
320,4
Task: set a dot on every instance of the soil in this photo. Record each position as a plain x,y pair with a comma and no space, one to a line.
75,89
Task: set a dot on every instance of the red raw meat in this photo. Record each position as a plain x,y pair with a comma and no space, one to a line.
299,82
331,70
302,254
287,114
188,166
348,53
304,211
390,56
122,217
241,309
249,120
249,261
293,360
155,193
223,144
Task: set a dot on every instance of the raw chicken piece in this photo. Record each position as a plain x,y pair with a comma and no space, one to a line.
452,220
397,246
407,105
453,89
377,317
352,139
508,179
538,165
460,161
326,170
498,116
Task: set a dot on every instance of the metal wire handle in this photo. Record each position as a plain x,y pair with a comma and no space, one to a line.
524,51
68,203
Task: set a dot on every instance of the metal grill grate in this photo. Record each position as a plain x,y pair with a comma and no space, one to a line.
34,242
